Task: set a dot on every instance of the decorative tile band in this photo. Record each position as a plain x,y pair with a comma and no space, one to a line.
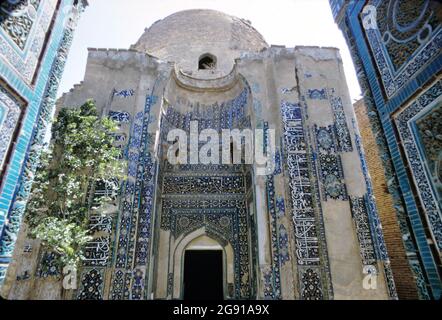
132,244
8,237
119,116
400,55
317,94
92,283
325,139
363,232
340,123
124,93
275,291
23,30
303,212
310,283
10,110
367,210
417,160
332,176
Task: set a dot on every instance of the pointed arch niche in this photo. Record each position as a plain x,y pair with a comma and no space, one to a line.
201,240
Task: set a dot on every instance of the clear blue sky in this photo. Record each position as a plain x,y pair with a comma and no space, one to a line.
119,23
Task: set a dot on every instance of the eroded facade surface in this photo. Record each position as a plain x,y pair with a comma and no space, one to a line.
396,48
307,229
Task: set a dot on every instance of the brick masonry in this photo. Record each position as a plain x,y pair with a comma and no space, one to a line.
404,279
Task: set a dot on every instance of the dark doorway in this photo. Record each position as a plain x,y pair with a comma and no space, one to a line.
203,275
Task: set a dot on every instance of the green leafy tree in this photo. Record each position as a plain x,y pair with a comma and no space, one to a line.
80,155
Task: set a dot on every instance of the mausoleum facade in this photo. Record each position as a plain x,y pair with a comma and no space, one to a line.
307,228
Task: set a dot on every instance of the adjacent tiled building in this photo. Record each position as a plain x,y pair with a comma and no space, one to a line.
396,49
35,36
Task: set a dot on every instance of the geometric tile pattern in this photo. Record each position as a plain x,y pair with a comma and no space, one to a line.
16,20
23,28
210,184
366,218
372,212
317,94
134,226
395,46
340,123
284,254
222,213
325,139
419,159
118,116
274,287
124,93
10,110
360,218
407,36
332,177
47,265
228,115
210,196
330,140
311,284
91,285
18,70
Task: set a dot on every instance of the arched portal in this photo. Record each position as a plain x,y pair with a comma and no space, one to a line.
199,240
211,199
